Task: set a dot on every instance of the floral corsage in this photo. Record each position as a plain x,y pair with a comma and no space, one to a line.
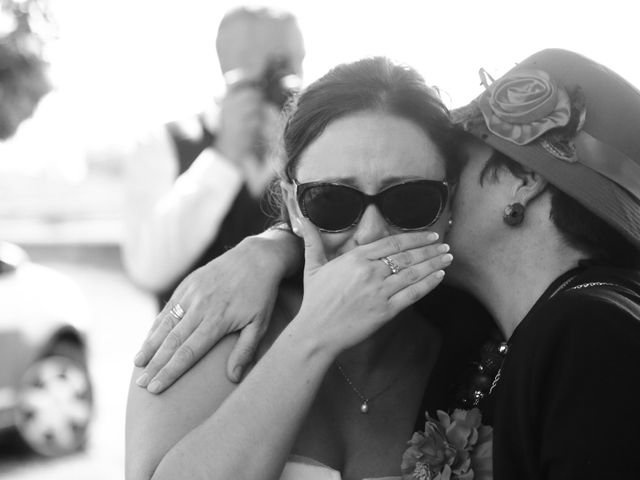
455,447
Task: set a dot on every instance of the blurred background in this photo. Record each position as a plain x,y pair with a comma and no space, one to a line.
119,69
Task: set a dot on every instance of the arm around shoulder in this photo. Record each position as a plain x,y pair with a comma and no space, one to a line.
203,426
155,424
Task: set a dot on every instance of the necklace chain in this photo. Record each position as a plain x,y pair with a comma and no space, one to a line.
364,407
505,345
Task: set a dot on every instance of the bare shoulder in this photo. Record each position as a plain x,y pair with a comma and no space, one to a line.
155,423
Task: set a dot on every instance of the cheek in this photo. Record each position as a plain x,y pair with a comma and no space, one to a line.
442,225
463,211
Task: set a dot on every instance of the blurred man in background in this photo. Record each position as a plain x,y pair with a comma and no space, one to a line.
220,158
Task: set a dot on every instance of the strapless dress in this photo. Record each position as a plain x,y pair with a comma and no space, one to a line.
302,468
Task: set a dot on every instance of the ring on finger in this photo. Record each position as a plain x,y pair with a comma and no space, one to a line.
177,311
393,266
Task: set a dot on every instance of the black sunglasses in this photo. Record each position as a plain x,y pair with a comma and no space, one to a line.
334,207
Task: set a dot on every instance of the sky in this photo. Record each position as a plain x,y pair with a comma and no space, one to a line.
124,66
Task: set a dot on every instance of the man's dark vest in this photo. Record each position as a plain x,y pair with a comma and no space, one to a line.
245,217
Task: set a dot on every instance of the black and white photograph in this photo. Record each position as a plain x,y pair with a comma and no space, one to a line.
340,240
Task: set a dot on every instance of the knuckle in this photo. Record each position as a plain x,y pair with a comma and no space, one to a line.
403,259
394,243
169,321
431,250
212,324
243,352
261,325
433,264
173,340
185,355
369,269
413,293
411,274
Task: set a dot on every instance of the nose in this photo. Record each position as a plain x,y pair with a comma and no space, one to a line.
371,227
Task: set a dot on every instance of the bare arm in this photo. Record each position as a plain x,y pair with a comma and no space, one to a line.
197,434
216,300
236,292
195,431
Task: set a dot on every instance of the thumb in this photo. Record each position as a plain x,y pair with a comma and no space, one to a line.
314,256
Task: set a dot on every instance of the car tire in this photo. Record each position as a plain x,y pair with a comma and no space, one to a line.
55,402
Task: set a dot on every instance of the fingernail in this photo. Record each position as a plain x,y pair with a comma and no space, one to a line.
446,259
433,236
444,248
439,274
154,386
138,359
143,380
237,373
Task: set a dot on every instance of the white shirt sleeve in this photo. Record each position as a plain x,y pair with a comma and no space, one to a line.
168,227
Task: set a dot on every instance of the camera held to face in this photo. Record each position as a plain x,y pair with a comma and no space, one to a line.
278,82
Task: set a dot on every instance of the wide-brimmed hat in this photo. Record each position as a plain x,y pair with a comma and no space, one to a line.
573,121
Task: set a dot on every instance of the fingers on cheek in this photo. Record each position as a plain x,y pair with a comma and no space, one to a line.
434,250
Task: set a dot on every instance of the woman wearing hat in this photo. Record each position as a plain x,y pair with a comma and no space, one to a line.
546,234
547,237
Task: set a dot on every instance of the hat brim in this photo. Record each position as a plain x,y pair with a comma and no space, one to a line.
611,203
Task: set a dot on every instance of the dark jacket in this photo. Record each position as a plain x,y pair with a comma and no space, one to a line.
565,406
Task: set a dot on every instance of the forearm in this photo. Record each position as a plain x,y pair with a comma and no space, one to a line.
253,431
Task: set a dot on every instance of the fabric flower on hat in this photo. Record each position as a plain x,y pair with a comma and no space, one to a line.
523,105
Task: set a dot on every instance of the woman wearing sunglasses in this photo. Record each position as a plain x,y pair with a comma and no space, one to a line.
546,234
342,370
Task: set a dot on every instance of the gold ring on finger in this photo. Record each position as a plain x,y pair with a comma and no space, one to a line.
393,266
177,311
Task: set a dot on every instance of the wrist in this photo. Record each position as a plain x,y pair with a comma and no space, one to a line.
310,350
265,254
283,247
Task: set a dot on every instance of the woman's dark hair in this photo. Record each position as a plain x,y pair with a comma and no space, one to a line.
375,84
578,226
369,84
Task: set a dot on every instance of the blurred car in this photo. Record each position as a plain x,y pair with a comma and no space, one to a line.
45,388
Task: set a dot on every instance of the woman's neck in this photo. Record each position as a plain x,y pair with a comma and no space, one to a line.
510,283
397,343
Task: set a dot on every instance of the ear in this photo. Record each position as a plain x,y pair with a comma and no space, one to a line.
290,201
528,187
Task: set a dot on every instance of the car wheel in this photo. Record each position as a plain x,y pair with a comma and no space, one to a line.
55,402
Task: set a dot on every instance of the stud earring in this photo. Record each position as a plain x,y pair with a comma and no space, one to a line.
513,214
449,225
